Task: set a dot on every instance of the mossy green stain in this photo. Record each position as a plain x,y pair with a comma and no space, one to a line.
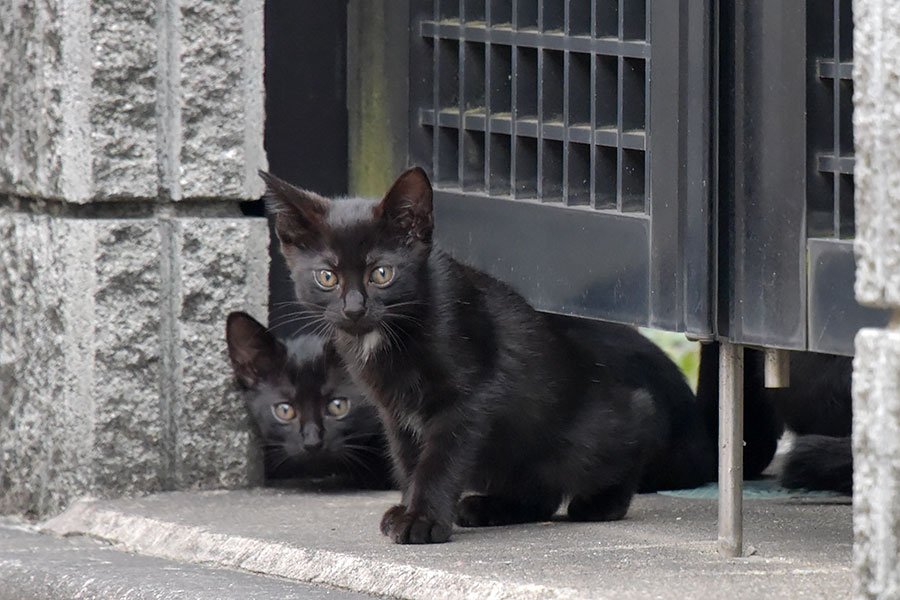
373,153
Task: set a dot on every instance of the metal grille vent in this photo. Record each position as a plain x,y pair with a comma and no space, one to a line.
829,93
539,99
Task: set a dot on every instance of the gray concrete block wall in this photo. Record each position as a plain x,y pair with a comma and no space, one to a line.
219,99
109,100
876,377
80,359
113,371
128,132
876,468
222,265
876,125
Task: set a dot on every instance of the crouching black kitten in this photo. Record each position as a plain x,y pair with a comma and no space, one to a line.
312,421
477,390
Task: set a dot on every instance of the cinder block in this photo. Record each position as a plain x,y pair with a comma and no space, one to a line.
105,100
876,463
113,373
79,352
876,121
221,99
220,265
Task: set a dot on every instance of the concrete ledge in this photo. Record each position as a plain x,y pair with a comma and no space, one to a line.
44,567
665,549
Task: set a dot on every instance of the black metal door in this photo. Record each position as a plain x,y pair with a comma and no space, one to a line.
786,169
651,162
569,143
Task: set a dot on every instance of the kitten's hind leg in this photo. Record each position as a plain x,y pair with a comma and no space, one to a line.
482,511
609,504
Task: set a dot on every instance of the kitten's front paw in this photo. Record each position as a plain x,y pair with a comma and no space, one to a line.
407,527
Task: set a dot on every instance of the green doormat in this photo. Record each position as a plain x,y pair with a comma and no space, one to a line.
761,489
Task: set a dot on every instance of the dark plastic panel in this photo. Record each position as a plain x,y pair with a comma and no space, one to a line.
762,162
681,178
834,314
480,231
677,162
829,86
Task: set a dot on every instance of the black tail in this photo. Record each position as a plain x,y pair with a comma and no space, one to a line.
762,427
819,462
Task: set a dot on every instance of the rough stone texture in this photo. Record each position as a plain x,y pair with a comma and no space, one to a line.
79,359
119,51
221,98
110,99
35,141
876,121
876,371
113,375
221,265
876,463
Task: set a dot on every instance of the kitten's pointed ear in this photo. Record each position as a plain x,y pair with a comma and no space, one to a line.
407,207
298,213
255,353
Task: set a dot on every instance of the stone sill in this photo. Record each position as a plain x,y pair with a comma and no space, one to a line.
664,549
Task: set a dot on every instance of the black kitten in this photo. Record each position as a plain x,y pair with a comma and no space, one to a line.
685,454
312,420
477,390
762,427
816,406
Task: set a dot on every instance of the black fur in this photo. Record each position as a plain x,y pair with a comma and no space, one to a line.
685,454
819,462
819,400
306,374
762,427
477,390
816,406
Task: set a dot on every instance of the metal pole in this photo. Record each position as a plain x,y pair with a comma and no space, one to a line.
731,449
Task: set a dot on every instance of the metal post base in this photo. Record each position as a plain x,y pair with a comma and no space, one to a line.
731,449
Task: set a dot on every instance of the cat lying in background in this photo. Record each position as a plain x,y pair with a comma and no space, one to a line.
476,389
816,406
311,419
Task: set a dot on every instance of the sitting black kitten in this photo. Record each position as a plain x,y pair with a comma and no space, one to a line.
477,390
312,420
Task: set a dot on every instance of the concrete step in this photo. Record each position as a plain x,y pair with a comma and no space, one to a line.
47,567
664,549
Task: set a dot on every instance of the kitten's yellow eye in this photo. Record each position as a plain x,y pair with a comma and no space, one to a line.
339,407
284,412
382,276
326,279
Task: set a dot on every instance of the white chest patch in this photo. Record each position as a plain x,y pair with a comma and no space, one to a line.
369,344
